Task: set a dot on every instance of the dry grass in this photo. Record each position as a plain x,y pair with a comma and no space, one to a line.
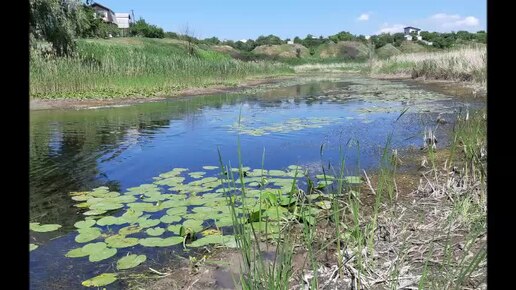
332,67
465,64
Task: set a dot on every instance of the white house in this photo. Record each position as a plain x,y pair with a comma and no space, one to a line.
290,42
409,30
123,20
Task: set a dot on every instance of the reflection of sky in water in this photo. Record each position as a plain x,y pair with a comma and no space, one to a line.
126,147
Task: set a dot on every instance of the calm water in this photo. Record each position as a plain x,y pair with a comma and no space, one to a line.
127,146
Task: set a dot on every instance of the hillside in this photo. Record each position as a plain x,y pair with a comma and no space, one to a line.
283,50
343,49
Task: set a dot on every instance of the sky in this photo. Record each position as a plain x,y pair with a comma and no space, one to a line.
244,19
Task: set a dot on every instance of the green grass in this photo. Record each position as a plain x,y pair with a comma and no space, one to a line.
126,67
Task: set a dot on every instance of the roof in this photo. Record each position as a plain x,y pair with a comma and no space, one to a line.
101,6
410,27
123,15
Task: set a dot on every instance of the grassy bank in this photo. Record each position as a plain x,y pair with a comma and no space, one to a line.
125,67
464,64
378,233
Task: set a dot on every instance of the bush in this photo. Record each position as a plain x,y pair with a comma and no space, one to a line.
142,28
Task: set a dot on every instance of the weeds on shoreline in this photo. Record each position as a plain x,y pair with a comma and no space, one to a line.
438,241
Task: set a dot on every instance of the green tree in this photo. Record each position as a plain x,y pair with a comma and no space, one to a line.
142,28
268,40
58,22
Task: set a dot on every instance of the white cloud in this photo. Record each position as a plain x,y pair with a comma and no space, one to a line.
441,22
364,17
448,22
394,28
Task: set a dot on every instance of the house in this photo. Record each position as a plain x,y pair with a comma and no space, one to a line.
410,31
290,42
104,13
123,20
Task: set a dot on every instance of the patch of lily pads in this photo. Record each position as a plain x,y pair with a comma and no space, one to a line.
293,124
189,209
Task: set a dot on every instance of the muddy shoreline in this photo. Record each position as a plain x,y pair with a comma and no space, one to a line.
442,86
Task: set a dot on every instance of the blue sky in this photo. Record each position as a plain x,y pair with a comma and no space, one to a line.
243,19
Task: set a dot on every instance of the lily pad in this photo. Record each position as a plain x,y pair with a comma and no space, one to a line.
353,179
130,261
174,228
36,227
159,242
210,167
100,280
76,253
32,247
106,206
84,224
130,230
195,225
102,254
94,247
155,231
111,220
148,223
167,219
87,234
94,212
121,241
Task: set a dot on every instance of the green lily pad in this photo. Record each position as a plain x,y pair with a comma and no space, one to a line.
277,173
84,224
155,231
94,247
94,212
295,167
159,242
32,247
210,167
177,211
167,219
224,221
130,230
148,223
87,234
131,215
196,174
195,225
102,254
322,176
106,206
111,220
228,241
130,261
76,253
36,227
100,280
353,179
174,228
121,241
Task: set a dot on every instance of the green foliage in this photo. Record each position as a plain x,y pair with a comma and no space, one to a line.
57,22
268,40
143,29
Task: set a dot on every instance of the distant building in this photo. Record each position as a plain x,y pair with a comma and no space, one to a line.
243,40
409,31
367,37
104,13
409,34
290,42
122,20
